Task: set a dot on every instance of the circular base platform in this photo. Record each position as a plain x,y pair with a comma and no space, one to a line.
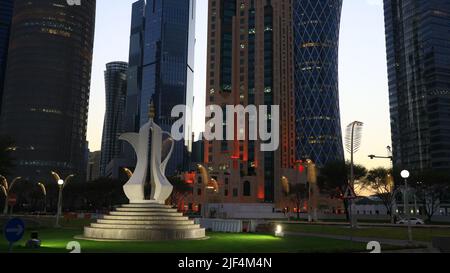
146,202
81,237
146,221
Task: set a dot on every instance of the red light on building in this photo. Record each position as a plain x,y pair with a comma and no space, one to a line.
261,192
181,206
235,161
301,168
245,156
189,177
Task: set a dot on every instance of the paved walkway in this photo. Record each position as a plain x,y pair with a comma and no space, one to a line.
365,224
422,247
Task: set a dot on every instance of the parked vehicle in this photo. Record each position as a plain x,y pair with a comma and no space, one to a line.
412,221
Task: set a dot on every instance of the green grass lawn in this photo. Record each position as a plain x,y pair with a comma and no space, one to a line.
55,241
400,233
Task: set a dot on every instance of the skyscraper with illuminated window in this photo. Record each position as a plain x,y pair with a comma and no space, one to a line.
6,11
316,43
418,57
161,69
47,84
250,62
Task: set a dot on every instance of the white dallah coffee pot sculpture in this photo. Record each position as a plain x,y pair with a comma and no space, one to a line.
160,186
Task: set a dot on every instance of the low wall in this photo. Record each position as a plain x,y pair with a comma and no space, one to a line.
228,225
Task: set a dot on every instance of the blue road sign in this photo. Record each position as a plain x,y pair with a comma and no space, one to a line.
14,230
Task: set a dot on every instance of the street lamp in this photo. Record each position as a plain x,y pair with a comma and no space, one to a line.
405,175
6,189
61,185
311,180
312,190
213,185
279,231
128,172
44,192
391,189
352,145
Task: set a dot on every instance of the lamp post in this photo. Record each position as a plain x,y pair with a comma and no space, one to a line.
312,190
6,188
405,175
311,184
44,192
392,202
352,145
308,161
128,172
59,210
61,185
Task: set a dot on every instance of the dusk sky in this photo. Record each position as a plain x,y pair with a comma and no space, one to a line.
362,71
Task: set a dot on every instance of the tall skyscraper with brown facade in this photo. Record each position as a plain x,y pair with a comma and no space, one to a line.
250,62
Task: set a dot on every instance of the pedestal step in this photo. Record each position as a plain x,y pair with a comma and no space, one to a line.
153,226
146,205
146,213
142,234
149,209
145,217
144,222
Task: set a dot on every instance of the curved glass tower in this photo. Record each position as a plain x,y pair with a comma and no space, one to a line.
116,89
47,86
318,125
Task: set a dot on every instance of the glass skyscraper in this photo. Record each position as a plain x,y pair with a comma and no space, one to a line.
134,79
418,54
113,126
161,66
47,86
134,73
6,11
316,44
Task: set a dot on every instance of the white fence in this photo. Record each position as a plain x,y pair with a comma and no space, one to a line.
227,225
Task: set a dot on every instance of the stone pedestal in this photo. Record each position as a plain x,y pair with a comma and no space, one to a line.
144,221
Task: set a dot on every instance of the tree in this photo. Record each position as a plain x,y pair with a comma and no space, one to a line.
299,193
102,193
432,187
180,189
380,180
334,177
6,160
